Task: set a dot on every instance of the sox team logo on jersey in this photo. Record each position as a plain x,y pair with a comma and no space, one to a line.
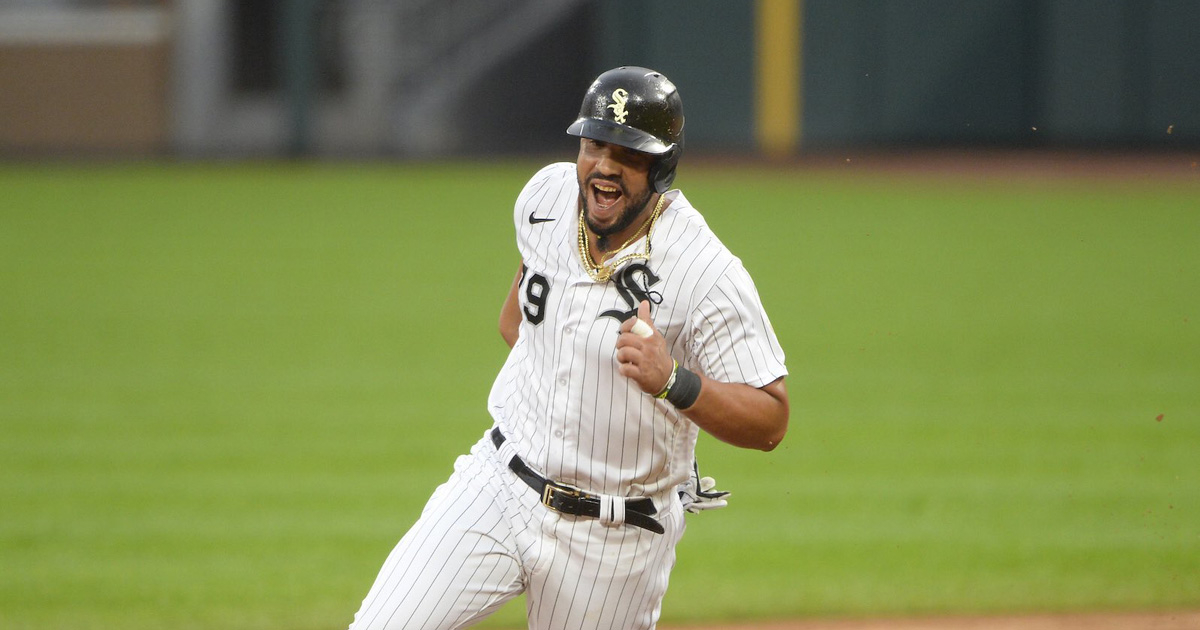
570,415
560,399
632,292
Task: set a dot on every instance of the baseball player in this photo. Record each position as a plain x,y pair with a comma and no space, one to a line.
632,328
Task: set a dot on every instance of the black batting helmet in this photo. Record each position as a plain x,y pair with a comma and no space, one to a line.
639,109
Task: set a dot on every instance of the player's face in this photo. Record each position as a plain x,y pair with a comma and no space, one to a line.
614,186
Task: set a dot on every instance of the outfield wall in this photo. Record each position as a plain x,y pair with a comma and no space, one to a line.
418,79
1122,73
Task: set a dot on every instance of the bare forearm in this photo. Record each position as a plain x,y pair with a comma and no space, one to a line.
740,414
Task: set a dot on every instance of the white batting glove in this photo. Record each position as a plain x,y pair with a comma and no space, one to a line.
697,494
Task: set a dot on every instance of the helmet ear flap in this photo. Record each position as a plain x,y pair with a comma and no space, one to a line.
662,173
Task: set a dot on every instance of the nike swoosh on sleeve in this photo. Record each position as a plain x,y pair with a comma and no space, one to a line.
535,220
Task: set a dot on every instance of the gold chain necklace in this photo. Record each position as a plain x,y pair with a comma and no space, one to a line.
601,272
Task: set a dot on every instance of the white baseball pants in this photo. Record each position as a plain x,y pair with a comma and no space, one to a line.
484,538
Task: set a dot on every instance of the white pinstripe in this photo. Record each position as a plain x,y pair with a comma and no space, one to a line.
484,537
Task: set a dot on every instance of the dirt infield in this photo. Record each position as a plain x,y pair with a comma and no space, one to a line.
1182,620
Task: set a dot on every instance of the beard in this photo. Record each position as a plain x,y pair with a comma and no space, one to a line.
633,209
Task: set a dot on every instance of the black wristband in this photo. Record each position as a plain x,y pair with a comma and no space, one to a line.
685,390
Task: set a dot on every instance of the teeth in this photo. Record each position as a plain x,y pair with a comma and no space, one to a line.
607,187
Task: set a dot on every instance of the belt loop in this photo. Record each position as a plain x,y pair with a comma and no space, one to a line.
506,453
612,510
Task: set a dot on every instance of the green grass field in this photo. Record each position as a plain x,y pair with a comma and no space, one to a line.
227,390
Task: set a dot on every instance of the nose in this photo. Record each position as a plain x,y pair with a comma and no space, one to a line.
608,165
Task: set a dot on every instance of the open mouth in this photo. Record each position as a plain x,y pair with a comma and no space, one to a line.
606,194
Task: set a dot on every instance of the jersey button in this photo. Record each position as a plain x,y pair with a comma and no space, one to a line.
562,381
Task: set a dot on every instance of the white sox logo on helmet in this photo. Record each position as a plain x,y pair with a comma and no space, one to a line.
620,97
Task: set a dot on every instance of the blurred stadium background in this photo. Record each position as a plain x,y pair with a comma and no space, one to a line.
426,78
224,226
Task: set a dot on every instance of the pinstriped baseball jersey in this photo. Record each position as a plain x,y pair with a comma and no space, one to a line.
485,536
559,397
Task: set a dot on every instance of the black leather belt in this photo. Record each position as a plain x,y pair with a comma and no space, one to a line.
570,500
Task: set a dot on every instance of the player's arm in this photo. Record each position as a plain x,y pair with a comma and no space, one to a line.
742,415
737,413
510,313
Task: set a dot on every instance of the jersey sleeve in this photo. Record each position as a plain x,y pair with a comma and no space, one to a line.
537,190
733,340
542,197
